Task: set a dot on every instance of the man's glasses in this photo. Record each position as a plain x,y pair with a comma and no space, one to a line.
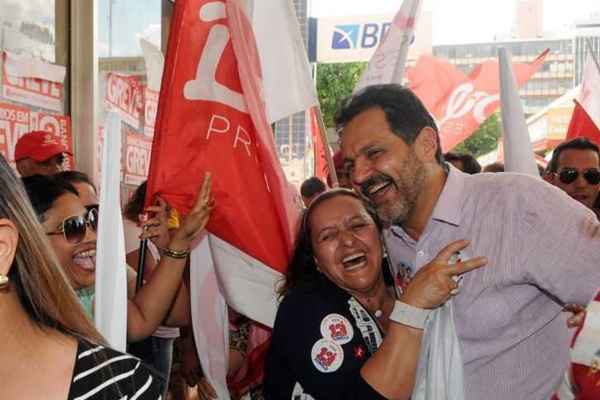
74,228
570,175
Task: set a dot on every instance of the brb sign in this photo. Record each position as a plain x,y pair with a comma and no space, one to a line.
346,39
365,36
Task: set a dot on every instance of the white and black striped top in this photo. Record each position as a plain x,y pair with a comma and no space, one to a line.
102,373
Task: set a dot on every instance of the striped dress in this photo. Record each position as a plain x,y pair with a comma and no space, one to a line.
102,373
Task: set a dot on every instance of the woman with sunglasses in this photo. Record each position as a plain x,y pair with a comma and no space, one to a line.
72,233
49,348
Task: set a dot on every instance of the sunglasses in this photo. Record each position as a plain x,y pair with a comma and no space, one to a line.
74,228
570,175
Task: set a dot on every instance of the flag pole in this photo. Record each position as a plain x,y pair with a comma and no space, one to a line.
141,264
328,158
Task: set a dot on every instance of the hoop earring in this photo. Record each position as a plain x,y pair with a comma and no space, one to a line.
3,281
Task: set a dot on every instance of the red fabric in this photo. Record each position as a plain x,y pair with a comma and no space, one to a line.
195,135
319,148
461,103
581,125
585,379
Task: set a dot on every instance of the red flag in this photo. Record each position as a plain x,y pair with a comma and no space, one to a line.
204,124
319,148
582,125
458,102
211,118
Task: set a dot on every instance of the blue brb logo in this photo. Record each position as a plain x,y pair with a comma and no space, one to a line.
347,36
344,36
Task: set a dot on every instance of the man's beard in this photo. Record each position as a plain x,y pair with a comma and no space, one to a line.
408,186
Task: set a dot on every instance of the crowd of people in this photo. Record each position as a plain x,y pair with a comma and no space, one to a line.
422,276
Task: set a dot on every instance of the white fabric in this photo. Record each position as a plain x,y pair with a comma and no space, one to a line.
440,368
110,310
208,304
24,66
518,151
220,271
389,60
155,62
287,82
589,97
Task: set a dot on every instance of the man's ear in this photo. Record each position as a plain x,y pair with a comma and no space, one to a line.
9,239
426,144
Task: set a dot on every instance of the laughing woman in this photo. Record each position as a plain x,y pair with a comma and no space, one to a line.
71,229
340,332
49,349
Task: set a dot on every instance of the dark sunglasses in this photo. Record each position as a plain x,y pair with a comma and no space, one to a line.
74,228
570,175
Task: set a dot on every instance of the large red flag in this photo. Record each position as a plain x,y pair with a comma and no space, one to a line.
211,117
461,103
204,124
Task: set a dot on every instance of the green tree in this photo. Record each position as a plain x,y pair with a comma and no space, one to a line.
335,82
484,140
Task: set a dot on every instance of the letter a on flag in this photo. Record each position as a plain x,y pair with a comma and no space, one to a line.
212,118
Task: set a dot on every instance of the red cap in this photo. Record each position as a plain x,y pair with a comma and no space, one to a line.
39,146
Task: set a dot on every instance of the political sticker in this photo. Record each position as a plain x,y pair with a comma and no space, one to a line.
337,328
327,356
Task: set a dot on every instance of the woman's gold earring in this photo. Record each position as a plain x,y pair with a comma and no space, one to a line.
3,281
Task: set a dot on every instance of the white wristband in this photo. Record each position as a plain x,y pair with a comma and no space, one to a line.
408,315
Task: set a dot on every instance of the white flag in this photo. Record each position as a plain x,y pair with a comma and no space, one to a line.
589,97
518,151
287,83
389,60
111,275
155,61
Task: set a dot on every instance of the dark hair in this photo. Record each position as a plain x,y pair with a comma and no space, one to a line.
312,186
469,163
76,177
494,167
405,113
135,205
579,143
302,269
43,191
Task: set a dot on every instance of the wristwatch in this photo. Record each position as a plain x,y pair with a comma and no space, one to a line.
408,315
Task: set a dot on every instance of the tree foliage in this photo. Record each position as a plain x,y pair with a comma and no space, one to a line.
484,140
335,82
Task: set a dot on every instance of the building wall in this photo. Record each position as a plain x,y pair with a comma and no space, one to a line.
290,133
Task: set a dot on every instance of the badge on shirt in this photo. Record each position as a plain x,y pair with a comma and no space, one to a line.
327,356
337,328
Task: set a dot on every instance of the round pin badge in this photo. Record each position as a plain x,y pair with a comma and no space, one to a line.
337,328
327,356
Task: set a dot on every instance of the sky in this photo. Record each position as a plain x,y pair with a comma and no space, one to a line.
464,21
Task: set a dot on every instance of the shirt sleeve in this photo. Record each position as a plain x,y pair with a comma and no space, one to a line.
560,242
301,362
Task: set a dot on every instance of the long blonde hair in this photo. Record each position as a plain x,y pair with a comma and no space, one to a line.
42,287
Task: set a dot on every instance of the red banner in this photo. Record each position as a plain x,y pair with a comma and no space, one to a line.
125,94
136,156
458,102
15,121
150,109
